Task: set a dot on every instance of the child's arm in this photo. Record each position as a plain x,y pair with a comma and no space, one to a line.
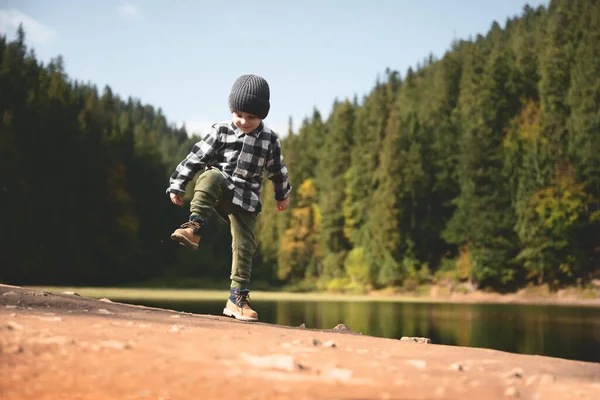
197,158
278,175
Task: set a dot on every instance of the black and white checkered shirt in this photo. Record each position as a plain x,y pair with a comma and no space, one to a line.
241,158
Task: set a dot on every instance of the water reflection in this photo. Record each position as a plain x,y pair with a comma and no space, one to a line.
566,332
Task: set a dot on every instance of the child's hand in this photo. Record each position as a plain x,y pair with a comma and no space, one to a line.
283,204
176,199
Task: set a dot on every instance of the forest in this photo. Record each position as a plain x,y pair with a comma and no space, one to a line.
482,166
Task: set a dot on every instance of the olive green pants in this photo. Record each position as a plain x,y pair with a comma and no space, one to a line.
211,193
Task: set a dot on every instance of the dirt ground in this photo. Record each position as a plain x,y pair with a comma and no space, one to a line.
63,346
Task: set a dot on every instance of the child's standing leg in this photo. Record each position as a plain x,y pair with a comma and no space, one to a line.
243,246
209,190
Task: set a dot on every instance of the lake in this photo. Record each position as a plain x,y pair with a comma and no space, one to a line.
569,332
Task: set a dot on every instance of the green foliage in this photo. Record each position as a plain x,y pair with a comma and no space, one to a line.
482,166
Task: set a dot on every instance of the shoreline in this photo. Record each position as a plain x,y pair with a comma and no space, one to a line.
476,297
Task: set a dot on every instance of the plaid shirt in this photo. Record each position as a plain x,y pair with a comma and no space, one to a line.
241,159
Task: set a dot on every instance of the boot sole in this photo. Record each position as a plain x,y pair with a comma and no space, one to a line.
182,240
230,313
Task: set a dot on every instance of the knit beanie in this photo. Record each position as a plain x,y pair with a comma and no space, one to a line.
250,94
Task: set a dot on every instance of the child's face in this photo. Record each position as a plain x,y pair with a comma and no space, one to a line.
245,122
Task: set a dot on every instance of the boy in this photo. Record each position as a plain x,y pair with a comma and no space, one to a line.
233,157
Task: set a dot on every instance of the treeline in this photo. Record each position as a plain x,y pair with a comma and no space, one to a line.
481,166
83,175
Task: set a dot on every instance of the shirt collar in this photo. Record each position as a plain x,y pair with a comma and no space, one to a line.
254,133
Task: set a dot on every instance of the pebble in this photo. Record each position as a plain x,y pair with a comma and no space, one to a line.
10,306
14,326
515,373
276,361
415,339
11,349
72,293
340,374
303,326
329,343
105,300
113,344
50,319
174,329
58,340
420,364
104,311
341,327
316,342
457,367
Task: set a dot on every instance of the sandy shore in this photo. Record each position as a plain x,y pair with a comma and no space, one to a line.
61,346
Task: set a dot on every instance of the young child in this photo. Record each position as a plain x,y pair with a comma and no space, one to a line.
233,157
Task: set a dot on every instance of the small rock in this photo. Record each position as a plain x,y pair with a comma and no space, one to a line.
11,349
112,344
175,316
10,306
329,343
511,391
72,293
50,319
340,374
104,311
58,340
302,326
420,364
457,367
174,329
316,342
341,327
415,339
14,326
11,293
274,361
105,300
515,373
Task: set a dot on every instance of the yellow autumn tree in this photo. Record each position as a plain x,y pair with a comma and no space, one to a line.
298,252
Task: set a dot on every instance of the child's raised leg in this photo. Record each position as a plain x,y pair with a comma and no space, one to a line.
210,188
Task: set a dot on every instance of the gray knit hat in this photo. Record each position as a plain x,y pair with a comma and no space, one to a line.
250,94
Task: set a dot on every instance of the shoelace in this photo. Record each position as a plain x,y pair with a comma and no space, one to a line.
241,298
191,224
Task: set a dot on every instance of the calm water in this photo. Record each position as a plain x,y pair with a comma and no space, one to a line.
556,331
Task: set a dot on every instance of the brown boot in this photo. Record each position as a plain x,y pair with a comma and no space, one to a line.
240,308
187,235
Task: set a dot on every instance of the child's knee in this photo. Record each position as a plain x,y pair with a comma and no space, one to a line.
210,178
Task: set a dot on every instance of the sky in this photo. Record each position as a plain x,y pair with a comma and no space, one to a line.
184,55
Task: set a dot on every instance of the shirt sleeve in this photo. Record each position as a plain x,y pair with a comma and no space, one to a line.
200,154
277,172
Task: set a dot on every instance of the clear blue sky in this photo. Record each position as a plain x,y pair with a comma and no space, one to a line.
183,55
